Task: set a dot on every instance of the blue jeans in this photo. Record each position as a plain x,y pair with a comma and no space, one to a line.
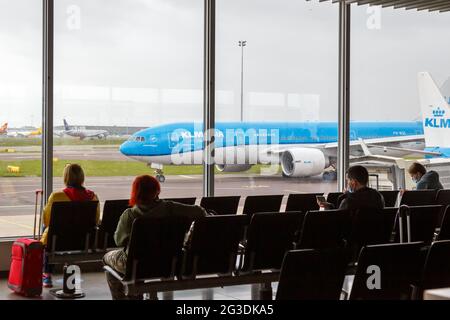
47,268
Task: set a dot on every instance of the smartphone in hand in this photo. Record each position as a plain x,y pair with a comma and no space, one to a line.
321,200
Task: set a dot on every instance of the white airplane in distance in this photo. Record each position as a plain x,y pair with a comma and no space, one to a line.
22,133
83,133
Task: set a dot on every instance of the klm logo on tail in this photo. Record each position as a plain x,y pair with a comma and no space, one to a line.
438,120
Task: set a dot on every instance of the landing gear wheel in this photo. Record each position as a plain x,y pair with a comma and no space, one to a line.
160,175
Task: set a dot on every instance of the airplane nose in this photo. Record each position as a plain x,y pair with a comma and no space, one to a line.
124,148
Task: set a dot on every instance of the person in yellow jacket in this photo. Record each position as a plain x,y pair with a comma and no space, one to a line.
74,191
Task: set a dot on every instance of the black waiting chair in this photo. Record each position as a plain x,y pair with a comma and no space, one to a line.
71,232
213,245
443,199
221,205
303,202
189,201
269,237
312,275
112,210
418,223
436,273
269,203
371,226
333,198
418,197
444,231
155,251
388,271
324,230
390,198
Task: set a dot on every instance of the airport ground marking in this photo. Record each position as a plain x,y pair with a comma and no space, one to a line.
17,206
187,177
14,192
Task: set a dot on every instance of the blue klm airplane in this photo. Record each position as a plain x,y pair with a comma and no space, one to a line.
302,149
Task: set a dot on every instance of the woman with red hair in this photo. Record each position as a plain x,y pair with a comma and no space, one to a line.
144,201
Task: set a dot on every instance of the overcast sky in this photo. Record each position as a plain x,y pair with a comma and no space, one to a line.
140,63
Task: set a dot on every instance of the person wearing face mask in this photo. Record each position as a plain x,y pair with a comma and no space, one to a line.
358,195
424,180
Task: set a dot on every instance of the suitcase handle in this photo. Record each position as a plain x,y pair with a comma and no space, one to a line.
37,192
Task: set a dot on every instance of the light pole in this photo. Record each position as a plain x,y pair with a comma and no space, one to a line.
242,44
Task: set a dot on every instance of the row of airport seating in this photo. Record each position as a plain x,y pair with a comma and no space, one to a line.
241,249
410,197
268,203
73,227
215,246
404,270
103,238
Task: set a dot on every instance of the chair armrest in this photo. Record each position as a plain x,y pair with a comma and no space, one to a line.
344,294
113,272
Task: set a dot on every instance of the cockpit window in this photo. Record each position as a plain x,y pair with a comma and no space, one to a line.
136,139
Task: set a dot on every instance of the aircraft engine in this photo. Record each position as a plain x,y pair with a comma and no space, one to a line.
233,167
303,162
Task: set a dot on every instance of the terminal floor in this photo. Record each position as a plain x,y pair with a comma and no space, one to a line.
95,287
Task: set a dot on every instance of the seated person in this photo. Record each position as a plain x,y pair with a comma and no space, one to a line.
145,202
424,180
358,195
75,191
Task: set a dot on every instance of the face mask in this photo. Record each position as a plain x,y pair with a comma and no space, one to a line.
415,180
350,189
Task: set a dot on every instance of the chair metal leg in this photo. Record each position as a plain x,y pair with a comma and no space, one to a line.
153,295
255,291
208,294
167,295
265,291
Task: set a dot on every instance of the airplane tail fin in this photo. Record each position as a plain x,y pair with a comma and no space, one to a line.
4,127
66,125
435,113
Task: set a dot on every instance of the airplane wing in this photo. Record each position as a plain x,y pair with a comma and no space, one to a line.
379,142
374,158
361,147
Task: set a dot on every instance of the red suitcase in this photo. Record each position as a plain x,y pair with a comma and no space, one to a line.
25,273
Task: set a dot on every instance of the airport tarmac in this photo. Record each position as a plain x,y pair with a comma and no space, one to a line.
66,153
17,194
